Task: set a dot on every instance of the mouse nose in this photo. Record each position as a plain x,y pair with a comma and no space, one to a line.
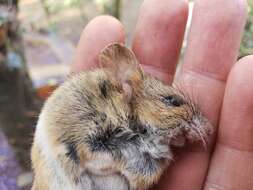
199,129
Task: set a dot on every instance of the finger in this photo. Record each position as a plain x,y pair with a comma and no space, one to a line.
100,32
212,50
231,166
159,34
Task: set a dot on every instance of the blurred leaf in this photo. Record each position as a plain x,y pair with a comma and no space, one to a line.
55,6
247,40
250,2
111,7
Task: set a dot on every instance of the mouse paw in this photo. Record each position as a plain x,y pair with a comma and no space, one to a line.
157,147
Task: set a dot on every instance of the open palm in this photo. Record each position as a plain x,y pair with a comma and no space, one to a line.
223,90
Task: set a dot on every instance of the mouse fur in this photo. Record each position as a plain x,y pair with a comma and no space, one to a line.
112,128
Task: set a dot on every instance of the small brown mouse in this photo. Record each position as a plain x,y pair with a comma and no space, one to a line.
112,128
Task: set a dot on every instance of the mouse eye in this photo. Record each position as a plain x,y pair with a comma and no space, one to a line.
173,100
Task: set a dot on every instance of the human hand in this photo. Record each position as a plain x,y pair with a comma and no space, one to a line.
223,91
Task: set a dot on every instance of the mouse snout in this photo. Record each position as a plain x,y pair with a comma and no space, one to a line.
198,129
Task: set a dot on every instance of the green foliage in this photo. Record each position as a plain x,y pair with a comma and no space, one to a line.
111,7
54,6
247,40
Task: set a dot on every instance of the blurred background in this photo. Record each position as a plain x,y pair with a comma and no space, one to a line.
37,41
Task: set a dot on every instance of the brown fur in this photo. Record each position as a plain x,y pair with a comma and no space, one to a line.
118,116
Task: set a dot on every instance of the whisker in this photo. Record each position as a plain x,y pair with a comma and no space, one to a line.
201,135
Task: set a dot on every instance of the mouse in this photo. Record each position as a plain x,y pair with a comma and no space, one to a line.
112,128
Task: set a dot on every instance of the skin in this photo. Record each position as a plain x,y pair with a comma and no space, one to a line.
223,90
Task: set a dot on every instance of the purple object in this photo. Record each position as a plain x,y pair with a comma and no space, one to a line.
9,168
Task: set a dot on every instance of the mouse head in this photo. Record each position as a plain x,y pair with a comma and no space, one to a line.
161,109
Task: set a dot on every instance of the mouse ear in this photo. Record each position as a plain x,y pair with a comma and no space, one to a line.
121,65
